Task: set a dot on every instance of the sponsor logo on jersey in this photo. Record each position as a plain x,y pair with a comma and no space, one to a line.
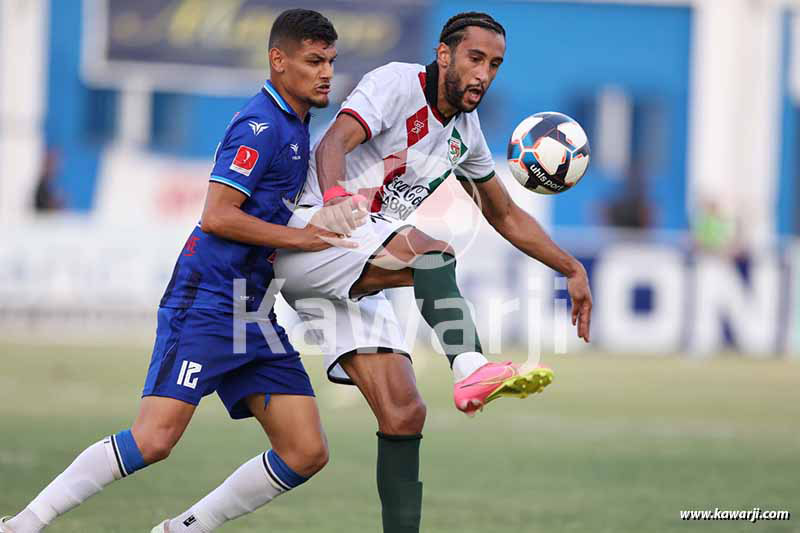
295,148
257,127
402,198
245,160
413,194
417,126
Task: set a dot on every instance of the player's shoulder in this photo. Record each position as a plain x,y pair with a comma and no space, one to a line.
470,123
397,85
257,117
395,72
259,107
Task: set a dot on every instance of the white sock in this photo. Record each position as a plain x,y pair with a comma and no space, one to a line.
26,522
247,489
92,470
466,363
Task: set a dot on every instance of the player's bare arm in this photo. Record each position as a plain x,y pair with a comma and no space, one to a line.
523,231
343,136
343,215
223,217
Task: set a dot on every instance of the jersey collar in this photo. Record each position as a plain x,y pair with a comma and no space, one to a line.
430,87
279,101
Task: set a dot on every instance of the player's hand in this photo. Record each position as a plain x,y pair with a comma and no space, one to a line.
581,296
313,238
342,215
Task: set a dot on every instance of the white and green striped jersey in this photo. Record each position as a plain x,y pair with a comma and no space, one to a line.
410,148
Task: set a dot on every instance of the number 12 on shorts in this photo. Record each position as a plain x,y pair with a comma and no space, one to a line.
189,369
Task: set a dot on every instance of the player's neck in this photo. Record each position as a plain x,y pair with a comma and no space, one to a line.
299,107
436,100
442,105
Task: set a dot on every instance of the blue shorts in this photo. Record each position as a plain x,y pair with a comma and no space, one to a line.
194,356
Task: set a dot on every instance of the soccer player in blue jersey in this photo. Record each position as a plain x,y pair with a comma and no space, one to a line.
212,335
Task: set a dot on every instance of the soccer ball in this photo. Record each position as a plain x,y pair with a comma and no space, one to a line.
548,153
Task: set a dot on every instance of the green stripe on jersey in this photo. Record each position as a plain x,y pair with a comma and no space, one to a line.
476,180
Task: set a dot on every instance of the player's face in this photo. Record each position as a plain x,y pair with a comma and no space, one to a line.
309,70
473,65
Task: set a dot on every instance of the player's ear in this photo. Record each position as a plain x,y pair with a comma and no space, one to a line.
277,60
443,55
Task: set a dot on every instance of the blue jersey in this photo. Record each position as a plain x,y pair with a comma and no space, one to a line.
264,154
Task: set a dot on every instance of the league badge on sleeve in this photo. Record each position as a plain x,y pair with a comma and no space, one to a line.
245,160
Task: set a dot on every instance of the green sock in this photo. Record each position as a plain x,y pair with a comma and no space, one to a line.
398,482
435,281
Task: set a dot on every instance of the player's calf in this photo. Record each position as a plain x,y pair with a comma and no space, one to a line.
387,382
414,258
160,423
446,311
299,451
113,458
253,485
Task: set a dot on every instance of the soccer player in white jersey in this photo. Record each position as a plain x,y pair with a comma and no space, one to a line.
404,129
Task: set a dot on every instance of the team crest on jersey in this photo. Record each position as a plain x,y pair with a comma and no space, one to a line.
457,148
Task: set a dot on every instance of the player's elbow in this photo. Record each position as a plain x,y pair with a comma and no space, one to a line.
502,222
505,222
212,222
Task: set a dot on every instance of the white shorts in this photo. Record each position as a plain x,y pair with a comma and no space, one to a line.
330,273
344,327
317,285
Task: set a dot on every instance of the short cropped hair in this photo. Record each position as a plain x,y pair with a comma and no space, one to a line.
297,25
454,29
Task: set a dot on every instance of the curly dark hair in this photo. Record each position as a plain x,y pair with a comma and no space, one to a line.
297,25
455,28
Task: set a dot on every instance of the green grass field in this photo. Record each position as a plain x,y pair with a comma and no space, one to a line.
614,445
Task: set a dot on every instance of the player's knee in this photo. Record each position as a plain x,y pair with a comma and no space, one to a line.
408,419
156,445
435,246
422,244
316,457
417,419
306,459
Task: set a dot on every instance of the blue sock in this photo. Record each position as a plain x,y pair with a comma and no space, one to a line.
280,472
129,458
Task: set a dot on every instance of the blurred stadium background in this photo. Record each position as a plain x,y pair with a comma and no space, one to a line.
687,221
